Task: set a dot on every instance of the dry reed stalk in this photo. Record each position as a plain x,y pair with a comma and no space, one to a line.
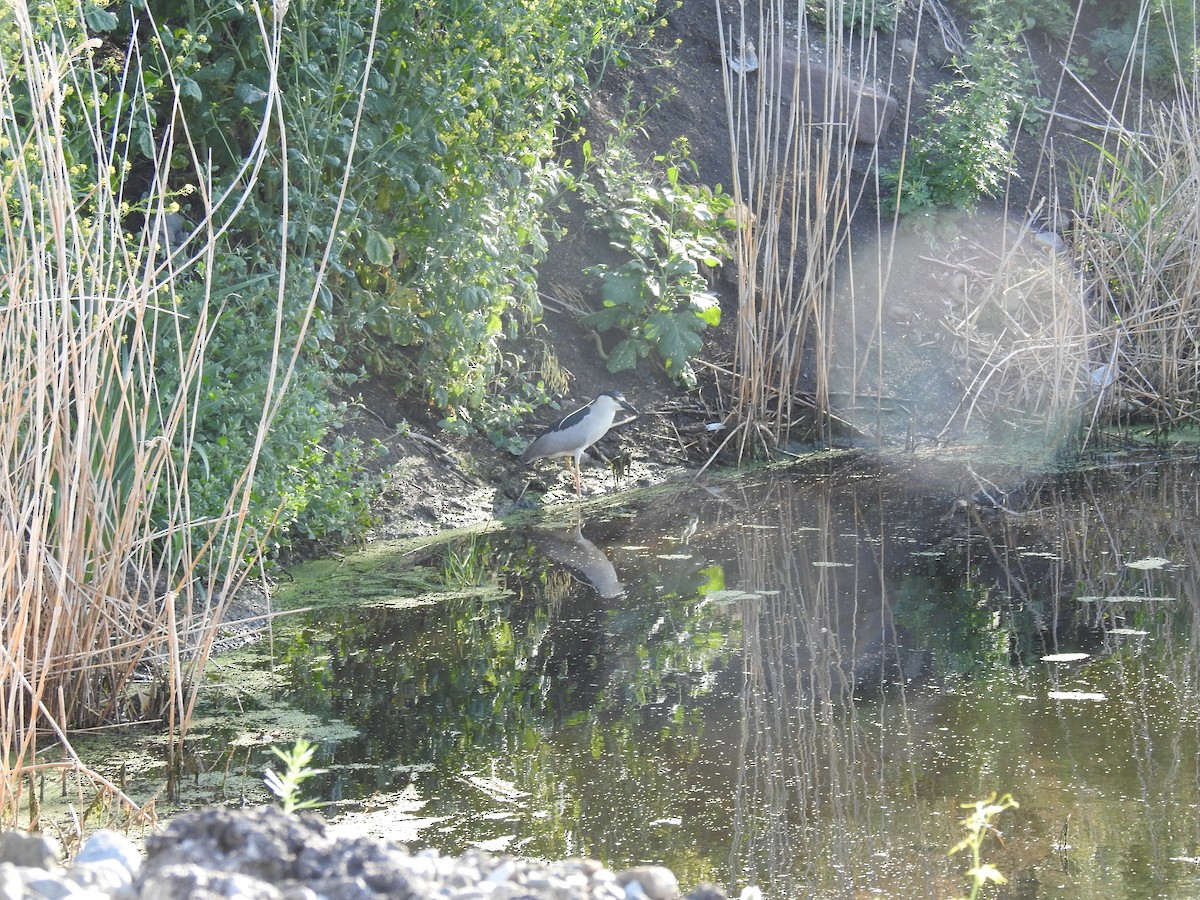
805,759
1139,225
1023,337
1135,225
795,174
108,579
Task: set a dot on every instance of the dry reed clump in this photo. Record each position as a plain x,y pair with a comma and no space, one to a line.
1020,332
1138,230
1039,335
795,176
108,581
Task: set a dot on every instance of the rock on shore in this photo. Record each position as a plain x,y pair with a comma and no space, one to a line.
266,854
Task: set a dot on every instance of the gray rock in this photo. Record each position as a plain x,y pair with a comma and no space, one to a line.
268,855
11,887
265,843
608,890
105,876
109,845
106,863
656,882
34,851
191,881
42,884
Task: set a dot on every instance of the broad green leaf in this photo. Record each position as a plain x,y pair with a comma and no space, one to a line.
707,308
98,19
623,356
189,88
380,249
674,335
604,319
621,289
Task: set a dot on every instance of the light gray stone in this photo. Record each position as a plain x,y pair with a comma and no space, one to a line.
11,886
657,882
41,884
109,845
34,851
108,876
189,881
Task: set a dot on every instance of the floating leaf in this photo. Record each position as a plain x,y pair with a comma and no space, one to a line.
1122,598
1077,695
730,596
1150,562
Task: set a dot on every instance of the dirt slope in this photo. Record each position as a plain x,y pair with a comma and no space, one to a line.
435,480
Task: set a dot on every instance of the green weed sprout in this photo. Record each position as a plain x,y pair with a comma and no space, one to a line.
296,771
977,824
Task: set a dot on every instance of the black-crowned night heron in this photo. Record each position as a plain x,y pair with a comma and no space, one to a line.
578,431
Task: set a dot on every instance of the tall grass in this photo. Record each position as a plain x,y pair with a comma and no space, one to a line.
111,586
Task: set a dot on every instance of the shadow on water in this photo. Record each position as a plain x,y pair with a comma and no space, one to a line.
790,679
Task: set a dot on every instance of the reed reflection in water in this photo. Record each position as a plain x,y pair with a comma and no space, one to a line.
818,631
893,636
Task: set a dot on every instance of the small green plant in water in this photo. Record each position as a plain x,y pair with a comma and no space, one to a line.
978,824
296,770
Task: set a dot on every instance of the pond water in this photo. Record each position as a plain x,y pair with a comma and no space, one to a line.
792,679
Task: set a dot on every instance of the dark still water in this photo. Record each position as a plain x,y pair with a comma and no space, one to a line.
790,680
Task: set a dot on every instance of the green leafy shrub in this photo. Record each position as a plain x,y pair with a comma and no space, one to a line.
881,14
301,489
668,231
435,228
1136,241
442,228
962,149
1160,36
1054,17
